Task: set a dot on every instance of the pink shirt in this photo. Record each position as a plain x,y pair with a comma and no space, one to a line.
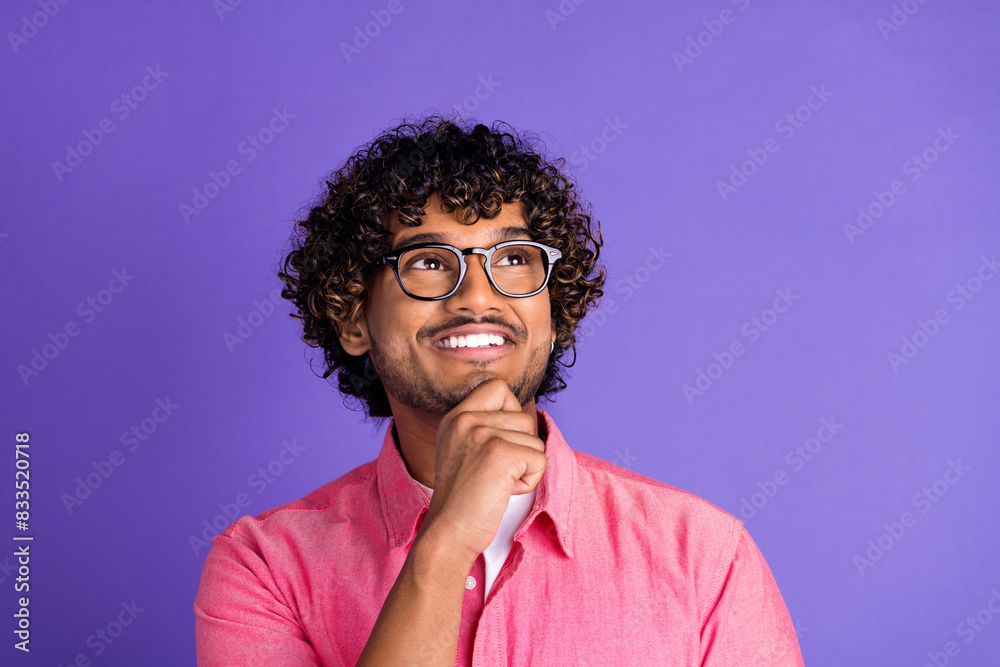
608,568
518,508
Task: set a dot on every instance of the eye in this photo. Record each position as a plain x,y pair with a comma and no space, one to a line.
428,263
428,260
513,259
516,256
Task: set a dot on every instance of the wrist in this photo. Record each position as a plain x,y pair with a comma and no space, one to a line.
438,550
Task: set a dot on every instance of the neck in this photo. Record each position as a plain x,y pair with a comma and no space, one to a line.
416,434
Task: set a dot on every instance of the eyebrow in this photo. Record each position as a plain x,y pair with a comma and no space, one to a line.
499,235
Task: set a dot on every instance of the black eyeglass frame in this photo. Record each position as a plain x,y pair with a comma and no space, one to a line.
549,254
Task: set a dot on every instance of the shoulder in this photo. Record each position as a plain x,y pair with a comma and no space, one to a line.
319,510
628,500
674,535
632,501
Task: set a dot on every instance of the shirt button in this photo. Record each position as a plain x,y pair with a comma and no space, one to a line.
470,582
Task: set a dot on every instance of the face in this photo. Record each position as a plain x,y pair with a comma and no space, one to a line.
409,341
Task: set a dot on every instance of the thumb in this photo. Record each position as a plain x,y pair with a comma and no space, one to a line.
510,402
497,396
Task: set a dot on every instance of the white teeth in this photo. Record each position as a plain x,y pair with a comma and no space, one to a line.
473,340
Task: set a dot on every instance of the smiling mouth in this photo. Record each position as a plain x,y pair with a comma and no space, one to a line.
471,341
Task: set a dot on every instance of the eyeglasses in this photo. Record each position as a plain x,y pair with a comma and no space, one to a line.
433,271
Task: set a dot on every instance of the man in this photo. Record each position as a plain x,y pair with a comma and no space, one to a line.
443,274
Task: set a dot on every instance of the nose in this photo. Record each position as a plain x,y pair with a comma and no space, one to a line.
475,294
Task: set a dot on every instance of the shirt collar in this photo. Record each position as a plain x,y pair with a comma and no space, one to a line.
404,503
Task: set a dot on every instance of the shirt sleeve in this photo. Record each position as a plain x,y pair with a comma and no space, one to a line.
747,623
241,616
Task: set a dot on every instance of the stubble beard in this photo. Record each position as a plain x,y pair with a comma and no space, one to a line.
404,380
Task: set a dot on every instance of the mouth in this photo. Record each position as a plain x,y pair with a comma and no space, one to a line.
471,341
474,343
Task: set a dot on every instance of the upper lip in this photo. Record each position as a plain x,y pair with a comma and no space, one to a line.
475,329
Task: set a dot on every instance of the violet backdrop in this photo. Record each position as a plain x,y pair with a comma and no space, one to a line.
811,185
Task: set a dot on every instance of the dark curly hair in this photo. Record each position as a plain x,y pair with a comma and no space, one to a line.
337,244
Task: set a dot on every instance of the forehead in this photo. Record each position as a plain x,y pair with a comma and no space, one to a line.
438,226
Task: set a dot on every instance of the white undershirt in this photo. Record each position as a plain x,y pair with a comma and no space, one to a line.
496,554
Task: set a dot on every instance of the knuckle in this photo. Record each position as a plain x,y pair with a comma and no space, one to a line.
464,421
539,458
527,420
495,447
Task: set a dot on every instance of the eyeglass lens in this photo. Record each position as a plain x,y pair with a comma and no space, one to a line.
433,272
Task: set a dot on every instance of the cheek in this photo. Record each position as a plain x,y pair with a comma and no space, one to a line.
538,318
394,318
378,311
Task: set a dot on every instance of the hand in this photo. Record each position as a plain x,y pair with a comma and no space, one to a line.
486,452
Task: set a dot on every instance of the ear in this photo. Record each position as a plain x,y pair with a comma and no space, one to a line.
354,336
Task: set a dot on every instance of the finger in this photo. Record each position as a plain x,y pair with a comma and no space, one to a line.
518,438
502,420
532,467
493,395
510,402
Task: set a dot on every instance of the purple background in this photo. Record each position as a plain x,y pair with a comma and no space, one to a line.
671,133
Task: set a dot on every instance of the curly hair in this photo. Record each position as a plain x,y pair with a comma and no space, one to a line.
337,245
